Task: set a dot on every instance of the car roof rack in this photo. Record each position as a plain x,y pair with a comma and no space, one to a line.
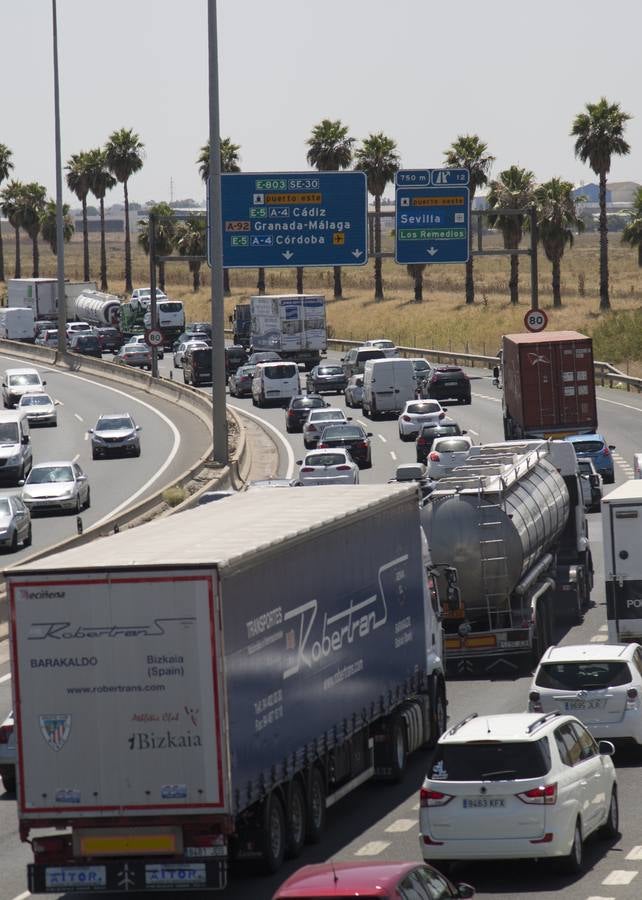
459,725
542,721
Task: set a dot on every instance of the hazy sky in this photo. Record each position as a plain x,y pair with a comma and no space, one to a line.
515,73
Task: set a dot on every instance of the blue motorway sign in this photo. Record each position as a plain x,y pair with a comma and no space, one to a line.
432,223
294,219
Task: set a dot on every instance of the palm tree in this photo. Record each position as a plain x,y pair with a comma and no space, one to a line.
229,163
632,234
100,181
416,272
190,241
32,201
48,225
557,216
78,183
512,190
124,157
331,150
164,235
378,158
599,134
470,152
5,167
10,199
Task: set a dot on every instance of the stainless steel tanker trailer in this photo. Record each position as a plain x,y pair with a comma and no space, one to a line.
510,524
95,307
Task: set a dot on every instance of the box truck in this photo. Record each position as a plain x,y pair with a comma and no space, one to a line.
41,294
549,385
622,540
17,323
210,683
291,324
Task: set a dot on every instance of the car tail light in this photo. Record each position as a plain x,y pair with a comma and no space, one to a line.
547,839
434,379
307,469
442,415
322,446
428,840
343,468
545,795
406,418
5,733
290,413
606,451
631,701
363,445
429,797
534,702
434,456
421,441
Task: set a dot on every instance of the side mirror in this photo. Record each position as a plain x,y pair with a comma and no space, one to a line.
342,359
44,382
299,462
444,409
464,431
21,482
612,447
138,427
90,431
25,438
368,434
606,748
349,419
82,478
465,890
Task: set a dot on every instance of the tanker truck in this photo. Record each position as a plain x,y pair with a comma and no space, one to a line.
96,308
510,527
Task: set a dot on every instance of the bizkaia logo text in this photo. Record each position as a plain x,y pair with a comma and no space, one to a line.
40,631
165,740
357,621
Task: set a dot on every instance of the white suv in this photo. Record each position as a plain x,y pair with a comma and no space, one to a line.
517,786
600,684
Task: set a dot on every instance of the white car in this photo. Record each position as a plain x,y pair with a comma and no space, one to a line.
143,297
517,786
179,354
78,328
447,453
8,754
39,408
388,347
140,339
17,382
334,466
416,414
55,486
317,420
601,684
353,392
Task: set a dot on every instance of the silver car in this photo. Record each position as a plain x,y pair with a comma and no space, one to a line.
637,465
117,433
55,486
39,408
353,392
316,422
446,453
8,754
15,523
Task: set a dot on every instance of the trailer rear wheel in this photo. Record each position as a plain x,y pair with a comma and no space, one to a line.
316,807
274,833
295,820
398,746
440,715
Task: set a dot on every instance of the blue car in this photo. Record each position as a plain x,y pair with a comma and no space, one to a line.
595,448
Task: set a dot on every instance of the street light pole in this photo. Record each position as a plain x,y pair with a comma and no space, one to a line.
219,418
60,232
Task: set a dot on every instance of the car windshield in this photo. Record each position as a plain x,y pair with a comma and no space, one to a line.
383,344
50,474
588,446
330,370
114,424
5,507
27,378
307,403
245,370
133,348
491,760
9,433
431,432
449,445
343,432
370,354
35,400
326,459
420,365
170,307
331,415
583,676
423,408
285,371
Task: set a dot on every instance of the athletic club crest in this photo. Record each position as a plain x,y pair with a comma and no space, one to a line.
55,729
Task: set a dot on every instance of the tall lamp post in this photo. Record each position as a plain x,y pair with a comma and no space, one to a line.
60,234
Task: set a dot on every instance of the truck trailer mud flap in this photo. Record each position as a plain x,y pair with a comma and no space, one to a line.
124,875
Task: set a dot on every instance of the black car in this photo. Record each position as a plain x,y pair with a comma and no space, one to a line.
298,409
111,340
353,437
235,357
200,327
86,344
446,428
197,366
446,383
326,377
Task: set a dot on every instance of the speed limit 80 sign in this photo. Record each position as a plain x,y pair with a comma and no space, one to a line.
535,320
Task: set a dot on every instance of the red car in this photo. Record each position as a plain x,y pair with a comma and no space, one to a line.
389,880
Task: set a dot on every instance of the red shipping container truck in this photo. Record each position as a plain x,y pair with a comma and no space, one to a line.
549,385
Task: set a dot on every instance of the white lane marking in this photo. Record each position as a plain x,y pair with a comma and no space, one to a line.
86,435
595,897
393,454
619,403
23,895
382,438
415,807
635,853
603,628
401,825
470,431
361,422
372,848
288,449
5,678
619,876
80,418
599,638
484,397
76,458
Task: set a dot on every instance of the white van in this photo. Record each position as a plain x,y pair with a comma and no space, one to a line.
387,385
275,382
17,323
16,456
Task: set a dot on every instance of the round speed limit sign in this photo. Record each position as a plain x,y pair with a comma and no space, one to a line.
154,338
535,320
